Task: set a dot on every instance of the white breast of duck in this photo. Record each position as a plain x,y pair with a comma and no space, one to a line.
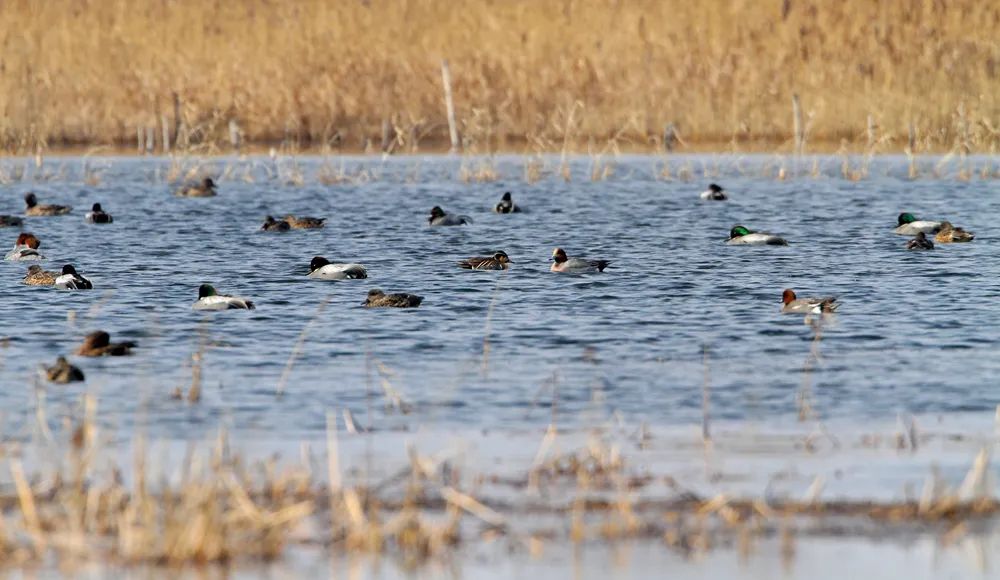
714,193
71,280
209,299
322,269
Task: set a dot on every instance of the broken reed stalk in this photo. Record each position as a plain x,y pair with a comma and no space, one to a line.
298,347
449,104
706,400
799,127
489,319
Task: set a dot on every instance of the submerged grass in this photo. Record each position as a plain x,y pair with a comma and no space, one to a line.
545,76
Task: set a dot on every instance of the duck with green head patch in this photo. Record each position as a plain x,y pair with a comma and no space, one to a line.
908,225
741,235
209,299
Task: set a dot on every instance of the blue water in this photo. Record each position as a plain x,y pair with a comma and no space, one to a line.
916,331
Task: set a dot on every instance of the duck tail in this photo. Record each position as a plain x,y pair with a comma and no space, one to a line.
602,264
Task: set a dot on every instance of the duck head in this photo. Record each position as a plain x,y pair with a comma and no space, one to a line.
714,188
373,294
31,241
436,212
502,257
787,296
30,199
559,256
738,232
206,290
268,221
317,263
69,269
506,197
207,183
946,227
96,208
905,218
21,239
34,269
97,339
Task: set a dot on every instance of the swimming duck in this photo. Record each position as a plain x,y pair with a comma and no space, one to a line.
439,218
204,189
36,276
70,280
714,193
63,372
322,269
950,234
25,248
562,263
209,299
98,343
908,225
920,242
794,305
740,235
506,205
9,221
273,225
379,299
96,215
34,209
498,261
305,223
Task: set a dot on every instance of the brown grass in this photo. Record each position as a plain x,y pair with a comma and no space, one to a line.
526,74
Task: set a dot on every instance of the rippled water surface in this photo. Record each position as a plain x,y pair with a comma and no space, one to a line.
917,331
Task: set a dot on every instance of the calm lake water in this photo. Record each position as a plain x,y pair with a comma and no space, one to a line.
916,332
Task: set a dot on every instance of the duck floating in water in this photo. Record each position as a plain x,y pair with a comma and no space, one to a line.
498,261
506,205
379,299
714,193
36,209
62,372
322,269
439,218
209,299
70,280
273,225
908,225
920,242
98,343
36,276
206,188
25,249
791,304
949,234
562,263
305,222
96,215
741,235
10,221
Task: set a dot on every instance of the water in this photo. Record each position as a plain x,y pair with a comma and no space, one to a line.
916,331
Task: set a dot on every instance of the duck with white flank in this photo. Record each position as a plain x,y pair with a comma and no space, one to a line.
714,193
908,225
562,263
96,215
379,299
209,299
740,235
439,218
322,269
70,280
506,205
25,249
792,304
498,261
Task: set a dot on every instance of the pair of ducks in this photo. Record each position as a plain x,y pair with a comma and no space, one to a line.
70,279
944,232
290,222
96,215
560,263
210,299
95,344
438,216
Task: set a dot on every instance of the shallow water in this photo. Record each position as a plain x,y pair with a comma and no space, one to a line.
916,331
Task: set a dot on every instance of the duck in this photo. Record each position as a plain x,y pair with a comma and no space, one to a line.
791,304
740,235
273,225
322,269
506,205
920,242
34,209
305,222
70,280
98,343
498,261
950,234
204,189
62,372
10,221
908,225
36,276
714,193
439,218
562,263
25,248
379,299
96,215
209,299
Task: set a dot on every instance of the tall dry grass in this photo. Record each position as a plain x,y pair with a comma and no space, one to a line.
366,73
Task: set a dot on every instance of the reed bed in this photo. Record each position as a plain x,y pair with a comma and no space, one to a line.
783,75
